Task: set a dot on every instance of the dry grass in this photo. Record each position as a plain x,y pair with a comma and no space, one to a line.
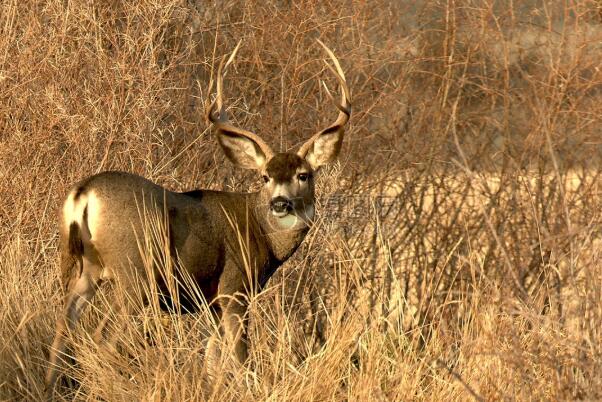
460,256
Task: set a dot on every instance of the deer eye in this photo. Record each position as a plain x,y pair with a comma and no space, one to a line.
265,178
303,176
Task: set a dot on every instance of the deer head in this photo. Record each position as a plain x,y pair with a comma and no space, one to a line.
288,190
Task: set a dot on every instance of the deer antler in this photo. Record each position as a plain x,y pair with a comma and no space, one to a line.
344,106
220,121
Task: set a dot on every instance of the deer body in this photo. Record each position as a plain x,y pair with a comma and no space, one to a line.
103,221
200,232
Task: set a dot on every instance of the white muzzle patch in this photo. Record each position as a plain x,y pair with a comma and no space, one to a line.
292,220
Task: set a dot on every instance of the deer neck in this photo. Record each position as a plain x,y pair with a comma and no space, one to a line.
280,241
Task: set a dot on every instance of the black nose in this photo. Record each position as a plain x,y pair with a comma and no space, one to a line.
281,204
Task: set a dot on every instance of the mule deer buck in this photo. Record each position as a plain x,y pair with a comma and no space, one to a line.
100,223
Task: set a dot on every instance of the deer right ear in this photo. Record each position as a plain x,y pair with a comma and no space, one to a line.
244,149
322,148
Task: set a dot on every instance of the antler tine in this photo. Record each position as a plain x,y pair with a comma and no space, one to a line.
345,105
217,103
210,104
220,82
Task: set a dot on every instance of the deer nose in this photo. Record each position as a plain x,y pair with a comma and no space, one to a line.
281,204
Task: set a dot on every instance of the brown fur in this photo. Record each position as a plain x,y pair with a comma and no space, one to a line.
283,166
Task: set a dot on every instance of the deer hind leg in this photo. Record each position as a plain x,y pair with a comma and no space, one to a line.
81,293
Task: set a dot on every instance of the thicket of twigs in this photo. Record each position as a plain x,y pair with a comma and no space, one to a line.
458,251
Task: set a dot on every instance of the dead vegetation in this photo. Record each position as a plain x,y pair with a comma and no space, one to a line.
458,249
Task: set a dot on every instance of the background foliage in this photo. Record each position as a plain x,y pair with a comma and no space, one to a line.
458,248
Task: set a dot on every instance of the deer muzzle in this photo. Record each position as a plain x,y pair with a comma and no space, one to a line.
281,206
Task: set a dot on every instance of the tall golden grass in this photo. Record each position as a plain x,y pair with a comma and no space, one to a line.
457,252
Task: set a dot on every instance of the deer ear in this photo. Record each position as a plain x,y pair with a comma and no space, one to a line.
324,147
244,149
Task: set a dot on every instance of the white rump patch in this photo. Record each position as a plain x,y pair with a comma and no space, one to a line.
73,211
93,213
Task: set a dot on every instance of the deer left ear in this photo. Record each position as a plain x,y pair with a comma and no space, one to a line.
324,147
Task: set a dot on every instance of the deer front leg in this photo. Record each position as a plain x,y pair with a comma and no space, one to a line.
112,324
233,329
